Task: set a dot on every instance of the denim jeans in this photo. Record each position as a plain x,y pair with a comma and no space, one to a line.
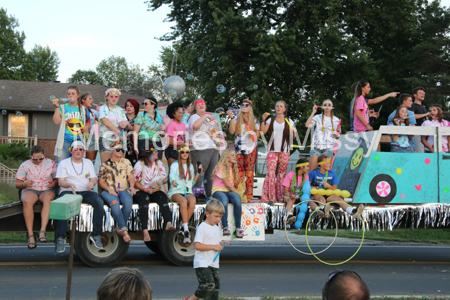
397,149
65,152
121,216
233,198
93,199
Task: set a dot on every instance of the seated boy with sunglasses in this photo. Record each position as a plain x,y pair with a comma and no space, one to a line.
77,175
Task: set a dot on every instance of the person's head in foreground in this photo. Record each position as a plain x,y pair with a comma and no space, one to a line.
214,211
124,284
345,285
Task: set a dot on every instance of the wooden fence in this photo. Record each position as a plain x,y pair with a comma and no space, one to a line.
7,175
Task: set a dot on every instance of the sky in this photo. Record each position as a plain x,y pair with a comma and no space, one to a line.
85,32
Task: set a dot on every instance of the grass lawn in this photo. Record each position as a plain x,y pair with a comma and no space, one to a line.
430,235
8,193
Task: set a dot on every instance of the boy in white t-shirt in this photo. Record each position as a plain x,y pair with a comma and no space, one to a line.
207,245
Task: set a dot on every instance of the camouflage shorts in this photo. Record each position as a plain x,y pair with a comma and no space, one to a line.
208,283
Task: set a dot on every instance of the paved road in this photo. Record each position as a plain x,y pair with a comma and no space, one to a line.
273,268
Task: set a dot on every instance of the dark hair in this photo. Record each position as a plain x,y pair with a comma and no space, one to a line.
403,98
152,100
172,108
124,283
300,161
345,285
416,89
397,114
135,104
36,149
286,131
358,92
440,113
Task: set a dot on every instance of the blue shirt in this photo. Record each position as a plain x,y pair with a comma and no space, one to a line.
351,119
317,179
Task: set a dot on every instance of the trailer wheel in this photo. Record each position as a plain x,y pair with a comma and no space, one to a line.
153,246
114,251
383,188
173,248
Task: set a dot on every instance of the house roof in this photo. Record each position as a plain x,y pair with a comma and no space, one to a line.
35,96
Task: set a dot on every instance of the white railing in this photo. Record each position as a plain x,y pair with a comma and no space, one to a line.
29,141
7,175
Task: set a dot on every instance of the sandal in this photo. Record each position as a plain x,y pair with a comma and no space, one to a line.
30,243
42,239
126,236
239,233
226,231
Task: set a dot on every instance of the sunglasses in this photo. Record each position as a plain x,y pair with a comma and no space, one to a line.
234,154
245,104
72,87
184,152
119,150
38,158
114,96
74,125
78,149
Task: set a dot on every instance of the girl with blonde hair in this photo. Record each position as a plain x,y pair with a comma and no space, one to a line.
225,180
246,128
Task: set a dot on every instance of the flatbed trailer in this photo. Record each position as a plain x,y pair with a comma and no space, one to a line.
408,198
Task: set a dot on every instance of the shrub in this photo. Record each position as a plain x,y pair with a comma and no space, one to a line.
14,151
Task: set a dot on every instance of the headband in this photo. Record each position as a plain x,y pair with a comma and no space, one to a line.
326,161
184,149
112,91
302,164
154,101
199,101
76,143
248,101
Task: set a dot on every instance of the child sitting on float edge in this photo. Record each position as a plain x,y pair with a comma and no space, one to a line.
319,179
207,244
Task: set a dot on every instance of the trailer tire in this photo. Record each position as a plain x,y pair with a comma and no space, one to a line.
114,251
173,248
153,246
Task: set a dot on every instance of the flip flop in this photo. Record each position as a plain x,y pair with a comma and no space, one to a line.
43,239
30,243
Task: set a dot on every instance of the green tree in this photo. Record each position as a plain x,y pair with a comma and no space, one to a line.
304,51
85,77
12,52
41,64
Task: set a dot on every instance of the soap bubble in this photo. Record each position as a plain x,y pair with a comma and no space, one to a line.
52,97
126,88
10,97
40,106
36,59
255,87
19,114
4,112
205,181
214,73
190,77
220,111
221,88
200,59
3,87
172,94
51,82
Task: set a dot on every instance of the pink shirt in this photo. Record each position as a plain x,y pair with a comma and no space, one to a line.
218,184
360,105
178,130
40,174
430,139
288,179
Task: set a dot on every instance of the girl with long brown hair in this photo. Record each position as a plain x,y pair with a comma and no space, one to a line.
280,129
182,180
246,128
435,120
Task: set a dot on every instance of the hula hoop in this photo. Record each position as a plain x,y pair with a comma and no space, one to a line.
342,262
312,253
